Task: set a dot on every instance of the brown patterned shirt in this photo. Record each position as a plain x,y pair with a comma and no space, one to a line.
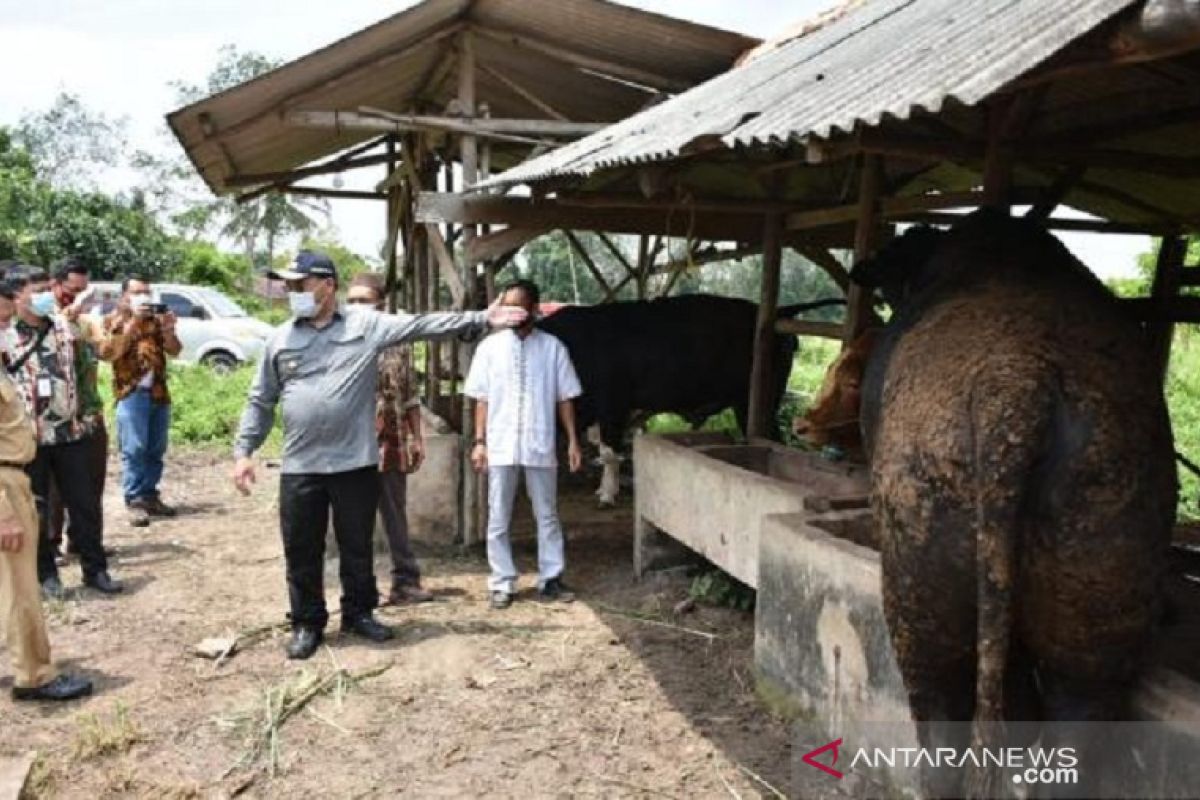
394,397
132,356
48,380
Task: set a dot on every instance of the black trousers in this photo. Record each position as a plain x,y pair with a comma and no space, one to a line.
304,505
69,466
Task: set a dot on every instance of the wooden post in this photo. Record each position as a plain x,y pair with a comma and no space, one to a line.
760,423
998,159
393,230
858,302
471,507
1168,271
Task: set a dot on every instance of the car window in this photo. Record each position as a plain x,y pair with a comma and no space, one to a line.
180,306
221,305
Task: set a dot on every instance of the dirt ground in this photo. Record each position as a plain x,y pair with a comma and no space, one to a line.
536,701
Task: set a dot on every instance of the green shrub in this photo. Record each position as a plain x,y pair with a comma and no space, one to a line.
206,407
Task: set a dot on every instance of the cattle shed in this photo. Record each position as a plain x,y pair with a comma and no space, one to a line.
880,113
895,111
441,95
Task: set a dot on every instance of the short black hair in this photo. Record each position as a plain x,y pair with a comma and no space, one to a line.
129,279
71,265
5,265
530,289
7,291
22,275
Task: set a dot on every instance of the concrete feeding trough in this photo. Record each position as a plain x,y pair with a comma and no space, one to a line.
822,651
710,493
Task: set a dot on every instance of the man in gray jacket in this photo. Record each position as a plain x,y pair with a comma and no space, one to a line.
321,366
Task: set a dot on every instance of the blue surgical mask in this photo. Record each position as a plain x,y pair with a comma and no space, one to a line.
43,304
304,304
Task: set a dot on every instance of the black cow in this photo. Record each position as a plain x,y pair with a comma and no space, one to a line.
688,355
1023,485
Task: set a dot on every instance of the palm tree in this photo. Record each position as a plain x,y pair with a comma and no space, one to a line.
267,219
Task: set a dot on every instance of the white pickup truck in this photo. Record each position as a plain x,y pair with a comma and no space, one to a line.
214,330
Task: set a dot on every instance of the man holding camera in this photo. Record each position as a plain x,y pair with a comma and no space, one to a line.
139,335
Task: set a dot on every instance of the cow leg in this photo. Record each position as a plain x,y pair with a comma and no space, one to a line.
610,462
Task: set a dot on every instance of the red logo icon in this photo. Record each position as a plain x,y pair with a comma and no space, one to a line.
810,758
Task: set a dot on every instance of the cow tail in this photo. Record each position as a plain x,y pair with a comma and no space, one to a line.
1005,442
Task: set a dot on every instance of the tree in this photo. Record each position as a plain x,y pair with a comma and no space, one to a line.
70,144
348,262
41,224
259,225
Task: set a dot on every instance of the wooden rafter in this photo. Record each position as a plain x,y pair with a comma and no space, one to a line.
964,150
491,209
1067,180
588,262
525,94
498,243
446,265
588,63
406,50
826,261
290,176
1054,223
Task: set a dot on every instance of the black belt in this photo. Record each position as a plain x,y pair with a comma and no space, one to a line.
12,465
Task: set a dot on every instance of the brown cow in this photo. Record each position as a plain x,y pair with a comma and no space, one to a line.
832,419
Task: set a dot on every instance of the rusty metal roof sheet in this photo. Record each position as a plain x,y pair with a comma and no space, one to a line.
882,59
392,63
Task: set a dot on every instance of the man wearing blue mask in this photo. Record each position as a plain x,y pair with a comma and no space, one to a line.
45,366
322,368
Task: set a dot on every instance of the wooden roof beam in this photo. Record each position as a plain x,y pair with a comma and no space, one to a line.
892,207
1054,223
946,149
625,72
254,179
525,94
294,98
442,208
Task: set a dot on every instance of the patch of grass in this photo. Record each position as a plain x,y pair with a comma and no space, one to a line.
715,587
1183,399
97,736
206,407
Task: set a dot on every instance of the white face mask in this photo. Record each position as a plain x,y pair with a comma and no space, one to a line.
303,304
139,301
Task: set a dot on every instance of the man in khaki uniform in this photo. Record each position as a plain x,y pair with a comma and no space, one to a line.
20,594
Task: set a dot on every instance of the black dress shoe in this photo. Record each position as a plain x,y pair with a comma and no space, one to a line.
367,627
103,582
64,687
304,643
52,588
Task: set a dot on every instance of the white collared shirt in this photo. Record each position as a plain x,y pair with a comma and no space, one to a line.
522,381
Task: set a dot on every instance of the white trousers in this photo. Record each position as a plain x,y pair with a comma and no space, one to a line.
541,485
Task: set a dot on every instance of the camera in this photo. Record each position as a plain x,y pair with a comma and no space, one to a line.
158,309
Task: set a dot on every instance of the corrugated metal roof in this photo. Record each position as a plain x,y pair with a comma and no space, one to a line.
887,58
240,131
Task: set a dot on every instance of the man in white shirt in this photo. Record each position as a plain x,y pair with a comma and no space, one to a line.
519,379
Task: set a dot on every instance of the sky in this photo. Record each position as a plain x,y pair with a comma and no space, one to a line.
120,55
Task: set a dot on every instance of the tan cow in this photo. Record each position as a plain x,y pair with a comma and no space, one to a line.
832,419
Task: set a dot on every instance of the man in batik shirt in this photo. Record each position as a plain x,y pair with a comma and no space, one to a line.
44,366
138,339
401,446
